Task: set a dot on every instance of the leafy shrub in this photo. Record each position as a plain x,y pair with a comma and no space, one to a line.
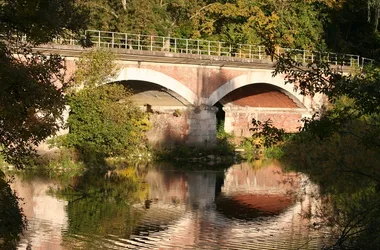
269,134
104,122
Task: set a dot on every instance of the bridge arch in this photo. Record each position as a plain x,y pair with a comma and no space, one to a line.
148,75
258,77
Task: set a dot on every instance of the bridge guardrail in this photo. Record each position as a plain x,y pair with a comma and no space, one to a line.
128,41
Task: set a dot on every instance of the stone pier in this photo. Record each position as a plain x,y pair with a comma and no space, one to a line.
172,126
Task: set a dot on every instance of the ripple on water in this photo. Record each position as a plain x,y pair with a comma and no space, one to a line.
189,211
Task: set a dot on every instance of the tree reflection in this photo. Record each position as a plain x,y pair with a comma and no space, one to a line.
101,202
347,172
12,219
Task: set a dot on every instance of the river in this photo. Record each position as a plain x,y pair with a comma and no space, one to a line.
160,207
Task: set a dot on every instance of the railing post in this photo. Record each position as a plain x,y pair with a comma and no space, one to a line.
259,52
213,47
99,39
113,39
138,42
304,56
85,34
71,39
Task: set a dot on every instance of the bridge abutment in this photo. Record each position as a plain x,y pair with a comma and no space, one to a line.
238,120
173,126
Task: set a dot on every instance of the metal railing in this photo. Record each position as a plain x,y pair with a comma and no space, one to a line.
128,41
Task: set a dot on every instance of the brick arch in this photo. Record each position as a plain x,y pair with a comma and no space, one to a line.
148,75
258,77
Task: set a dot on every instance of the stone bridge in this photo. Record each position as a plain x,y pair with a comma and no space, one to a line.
188,94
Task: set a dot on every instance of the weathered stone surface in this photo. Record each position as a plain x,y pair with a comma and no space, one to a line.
238,121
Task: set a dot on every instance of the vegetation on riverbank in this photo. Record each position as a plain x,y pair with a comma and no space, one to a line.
346,26
339,150
103,121
31,101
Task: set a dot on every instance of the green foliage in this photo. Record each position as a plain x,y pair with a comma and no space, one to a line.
224,151
349,26
347,172
146,16
274,152
105,122
40,20
95,68
221,134
260,22
358,217
339,148
353,28
31,90
12,219
250,145
66,159
268,134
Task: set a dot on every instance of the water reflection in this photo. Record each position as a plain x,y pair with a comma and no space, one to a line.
157,208
46,215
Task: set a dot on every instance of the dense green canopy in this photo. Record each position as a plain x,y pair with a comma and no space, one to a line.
348,26
31,99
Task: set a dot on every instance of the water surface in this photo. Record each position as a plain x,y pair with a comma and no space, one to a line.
242,207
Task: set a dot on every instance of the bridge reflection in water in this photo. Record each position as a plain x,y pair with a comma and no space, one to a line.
240,208
245,208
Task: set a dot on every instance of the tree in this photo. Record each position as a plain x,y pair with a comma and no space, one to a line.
339,148
353,28
101,203
143,16
32,84
293,24
103,120
374,13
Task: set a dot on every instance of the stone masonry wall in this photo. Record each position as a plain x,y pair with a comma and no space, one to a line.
174,126
169,127
239,121
202,126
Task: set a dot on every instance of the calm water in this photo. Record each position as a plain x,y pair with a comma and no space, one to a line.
242,207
